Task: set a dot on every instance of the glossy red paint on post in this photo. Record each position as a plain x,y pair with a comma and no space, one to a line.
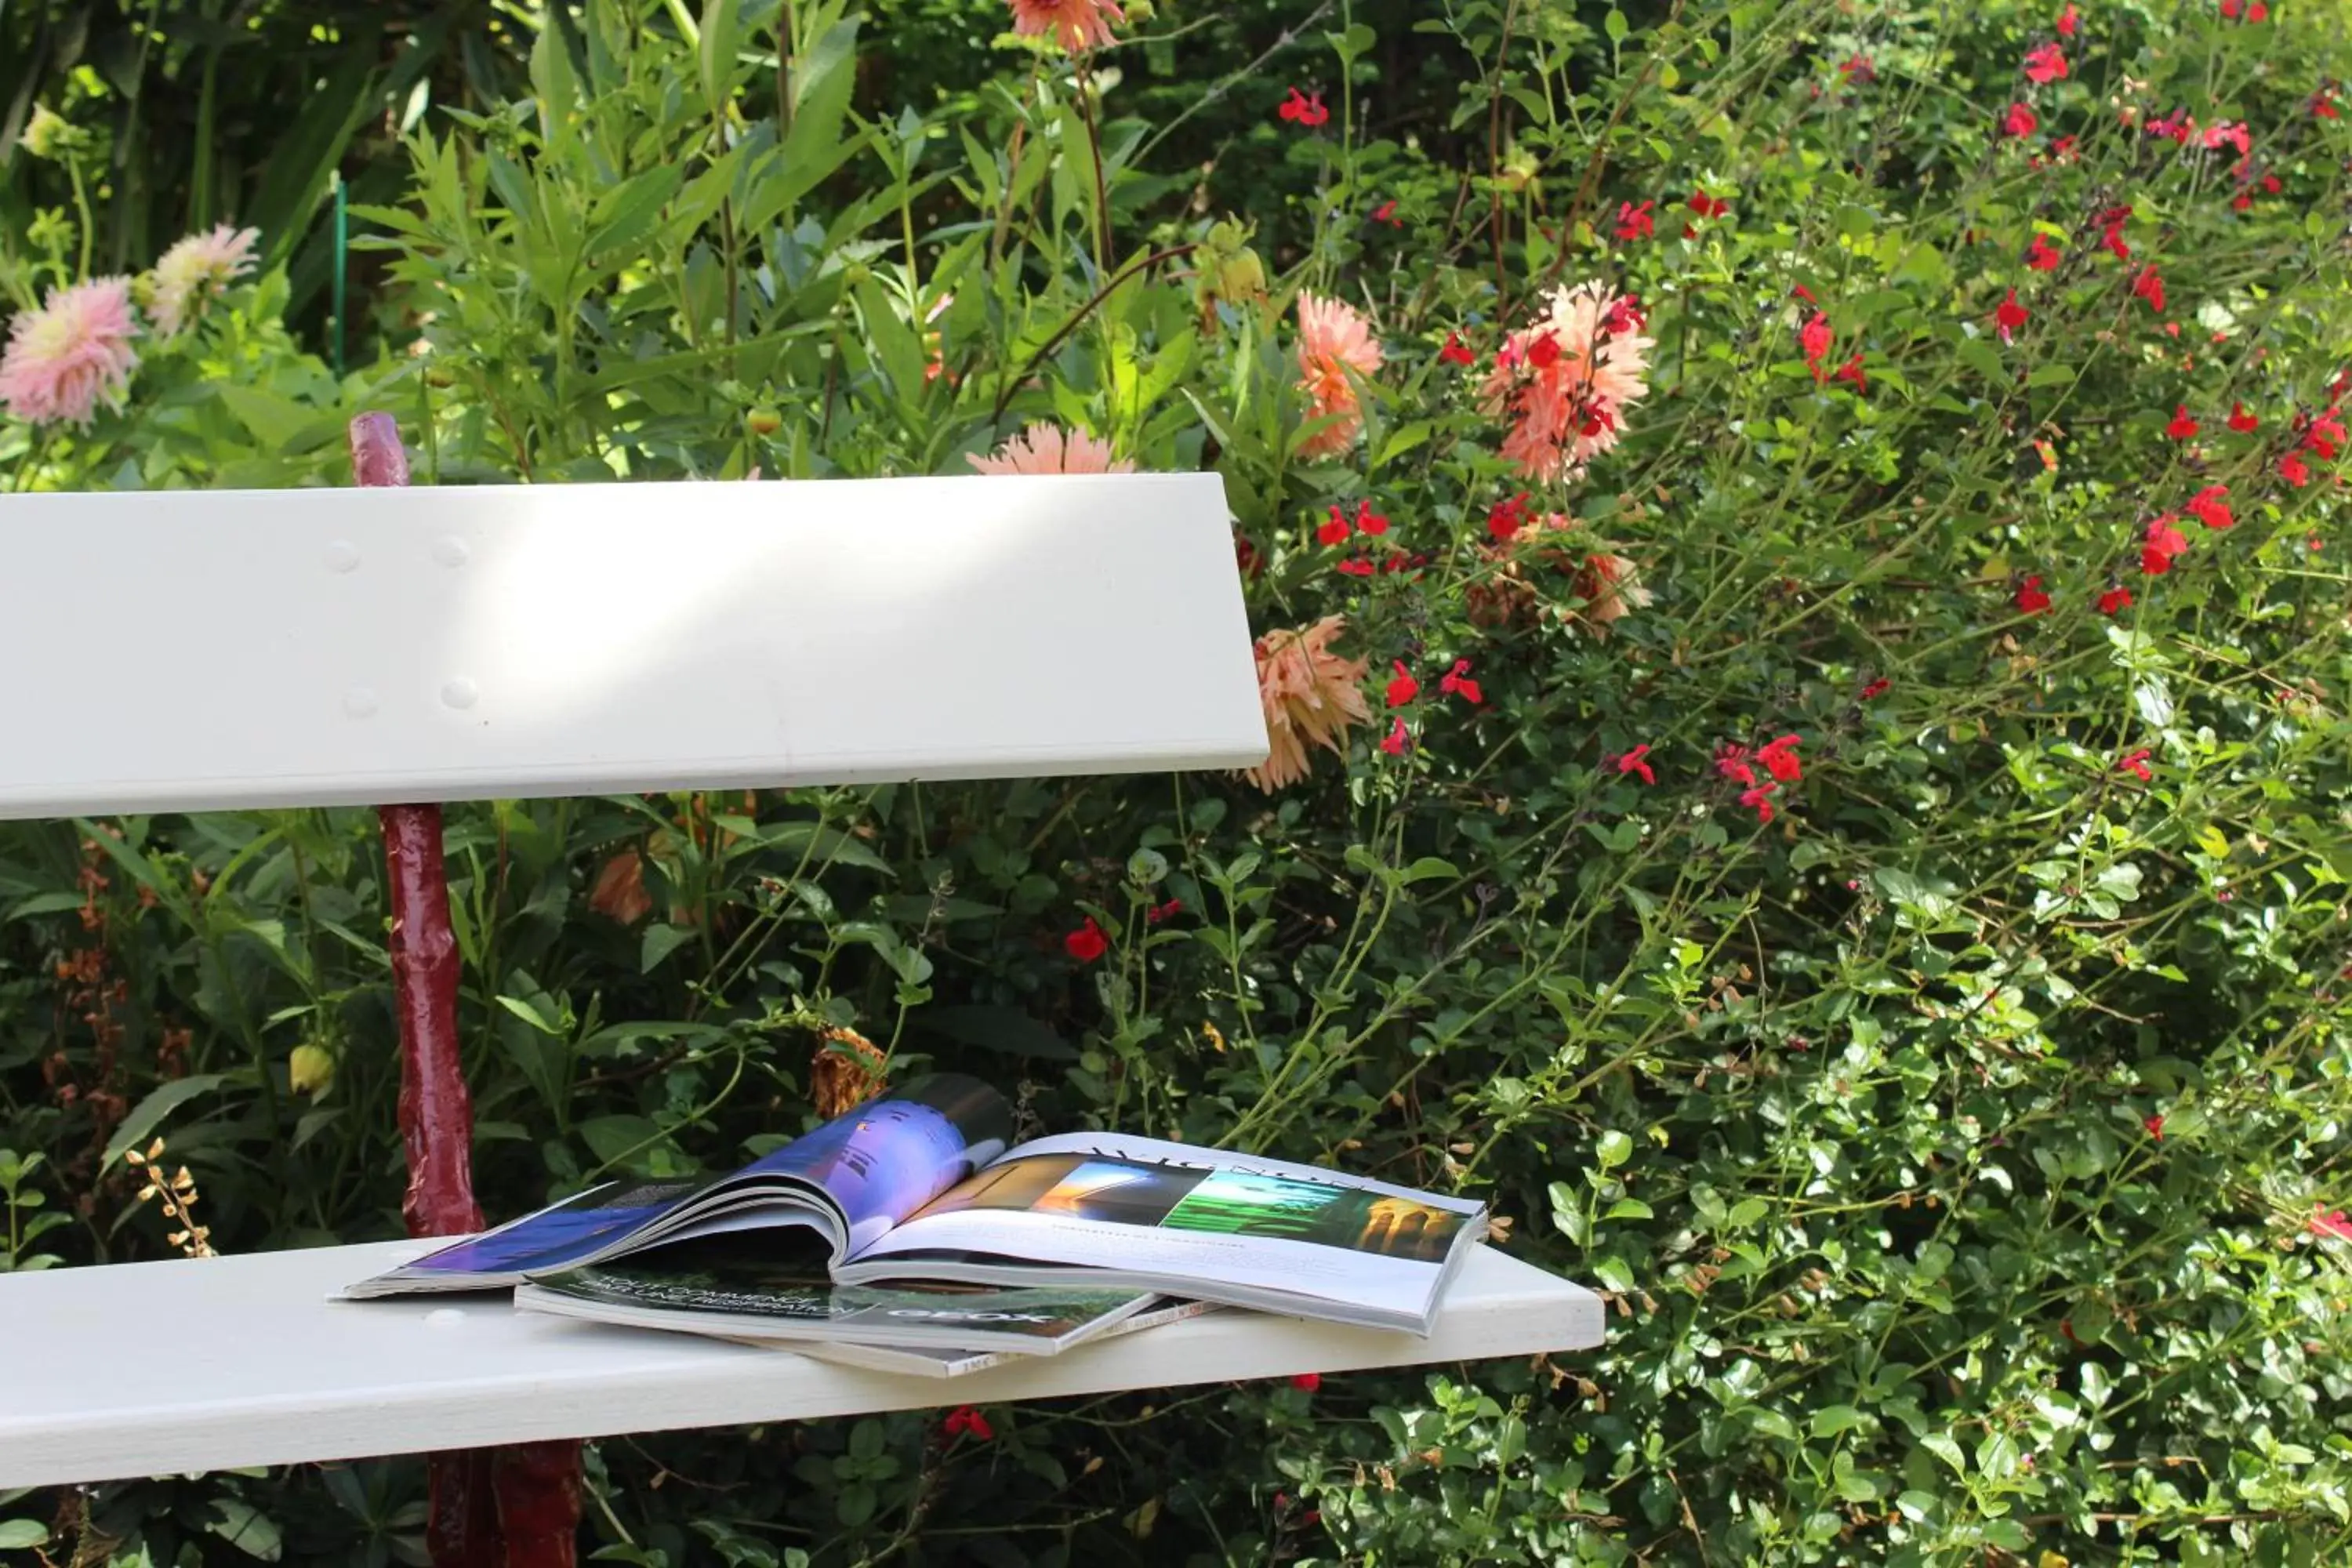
517,1507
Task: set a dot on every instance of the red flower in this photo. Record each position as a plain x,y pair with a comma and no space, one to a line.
1455,351
2328,1222
1394,744
2031,599
1635,222
2115,599
1852,371
2008,315
1356,567
2293,469
1507,517
1370,521
1088,943
1304,109
2241,421
964,1418
1706,205
2182,426
1386,213
1814,338
1158,912
2045,63
2041,256
2149,286
1731,762
2068,21
2322,104
2162,546
1543,351
1308,1381
1456,682
2155,1125
2112,220
2136,764
1760,798
1404,688
1334,531
1876,688
2019,120
1857,69
1780,760
2176,126
2230,135
1624,315
2210,506
2325,432
1632,762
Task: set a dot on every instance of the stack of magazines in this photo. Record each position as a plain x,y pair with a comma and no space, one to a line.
907,1235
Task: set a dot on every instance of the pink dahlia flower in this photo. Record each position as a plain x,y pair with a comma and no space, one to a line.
1074,23
196,269
72,354
1045,448
1565,380
1333,338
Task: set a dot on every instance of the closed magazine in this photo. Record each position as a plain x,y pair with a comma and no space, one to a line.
921,1187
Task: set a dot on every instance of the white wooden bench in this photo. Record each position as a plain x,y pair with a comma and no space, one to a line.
315,647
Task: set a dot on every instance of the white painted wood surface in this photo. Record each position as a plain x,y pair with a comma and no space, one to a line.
324,646
162,1368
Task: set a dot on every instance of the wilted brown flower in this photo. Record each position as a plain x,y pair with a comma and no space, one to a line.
620,890
847,1071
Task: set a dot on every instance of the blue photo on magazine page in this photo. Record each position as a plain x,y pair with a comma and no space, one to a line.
885,1160
874,1166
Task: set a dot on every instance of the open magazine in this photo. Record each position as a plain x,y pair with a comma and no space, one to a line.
919,1185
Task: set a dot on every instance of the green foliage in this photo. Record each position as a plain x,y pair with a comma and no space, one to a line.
1954,1147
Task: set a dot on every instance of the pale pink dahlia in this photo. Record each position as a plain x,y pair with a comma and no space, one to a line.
1045,448
1311,696
196,269
1333,334
1565,380
1074,23
63,359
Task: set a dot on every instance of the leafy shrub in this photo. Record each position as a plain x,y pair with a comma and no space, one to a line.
1956,1125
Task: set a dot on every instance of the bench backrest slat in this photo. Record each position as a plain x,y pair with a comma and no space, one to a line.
199,650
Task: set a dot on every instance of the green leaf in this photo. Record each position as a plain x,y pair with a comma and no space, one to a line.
247,1528
721,37
660,942
1832,1420
150,1113
21,1534
1612,1149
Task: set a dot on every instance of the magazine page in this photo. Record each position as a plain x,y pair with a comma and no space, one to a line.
883,1161
1173,1212
851,1178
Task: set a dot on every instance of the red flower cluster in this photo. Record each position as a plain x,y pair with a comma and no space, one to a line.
1087,943
2045,63
1394,744
2041,256
2008,315
1814,338
2249,10
2136,764
2068,21
963,1418
1456,682
2210,506
1337,530
2020,122
2031,599
1632,763
2111,222
1403,689
1307,1382
1159,913
1635,222
2149,286
1503,522
2115,599
1456,351
2182,426
1303,110
2162,546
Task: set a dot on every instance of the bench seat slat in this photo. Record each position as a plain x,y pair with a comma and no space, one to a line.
163,1368
354,647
